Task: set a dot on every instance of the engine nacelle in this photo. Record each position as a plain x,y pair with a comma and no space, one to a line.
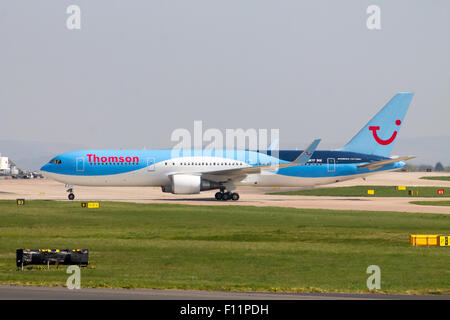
186,184
189,184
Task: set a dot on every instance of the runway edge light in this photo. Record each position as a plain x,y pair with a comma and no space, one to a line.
25,257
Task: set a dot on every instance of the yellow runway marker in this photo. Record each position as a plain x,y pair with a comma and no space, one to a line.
425,240
90,205
444,241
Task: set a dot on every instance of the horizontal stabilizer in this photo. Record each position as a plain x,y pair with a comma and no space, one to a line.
378,164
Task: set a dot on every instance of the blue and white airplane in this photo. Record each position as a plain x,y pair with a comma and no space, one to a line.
368,152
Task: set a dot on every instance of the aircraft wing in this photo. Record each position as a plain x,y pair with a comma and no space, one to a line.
241,173
378,164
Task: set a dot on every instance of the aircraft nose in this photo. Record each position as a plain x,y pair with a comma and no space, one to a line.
45,167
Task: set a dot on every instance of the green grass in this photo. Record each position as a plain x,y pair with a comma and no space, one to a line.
432,203
442,178
361,191
238,248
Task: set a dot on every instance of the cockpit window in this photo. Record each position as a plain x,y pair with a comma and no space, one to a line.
55,161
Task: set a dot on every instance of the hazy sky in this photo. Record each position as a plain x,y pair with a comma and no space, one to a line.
137,70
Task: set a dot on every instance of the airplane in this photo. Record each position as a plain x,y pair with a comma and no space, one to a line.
367,153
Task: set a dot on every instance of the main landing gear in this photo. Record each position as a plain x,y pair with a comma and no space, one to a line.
69,189
227,196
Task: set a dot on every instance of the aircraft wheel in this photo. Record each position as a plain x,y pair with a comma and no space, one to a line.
71,196
219,195
235,196
226,196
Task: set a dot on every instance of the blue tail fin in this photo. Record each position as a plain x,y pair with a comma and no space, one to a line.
377,137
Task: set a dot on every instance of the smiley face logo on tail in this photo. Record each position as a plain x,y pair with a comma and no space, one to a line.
374,130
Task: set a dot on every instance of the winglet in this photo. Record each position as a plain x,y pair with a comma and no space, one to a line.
306,155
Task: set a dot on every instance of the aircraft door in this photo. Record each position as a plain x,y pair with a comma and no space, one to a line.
80,164
150,164
331,165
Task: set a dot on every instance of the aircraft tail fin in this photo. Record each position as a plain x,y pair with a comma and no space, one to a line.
378,135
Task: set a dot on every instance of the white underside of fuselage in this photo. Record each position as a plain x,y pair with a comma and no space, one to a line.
159,174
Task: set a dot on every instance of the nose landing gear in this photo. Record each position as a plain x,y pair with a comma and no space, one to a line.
69,188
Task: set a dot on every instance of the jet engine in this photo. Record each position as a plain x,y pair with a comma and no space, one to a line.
189,184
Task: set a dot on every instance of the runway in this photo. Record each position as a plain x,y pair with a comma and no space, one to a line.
50,190
61,293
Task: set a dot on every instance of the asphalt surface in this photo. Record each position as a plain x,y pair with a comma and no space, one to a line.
43,189
62,293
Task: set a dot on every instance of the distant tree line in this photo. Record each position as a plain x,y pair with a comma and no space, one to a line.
426,167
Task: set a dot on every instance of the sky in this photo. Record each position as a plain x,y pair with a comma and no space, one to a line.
138,70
